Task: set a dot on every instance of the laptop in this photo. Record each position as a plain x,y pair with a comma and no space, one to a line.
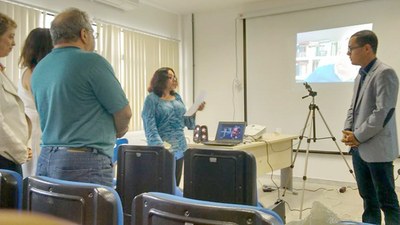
228,134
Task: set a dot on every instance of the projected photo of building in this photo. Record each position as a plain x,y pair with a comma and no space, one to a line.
321,56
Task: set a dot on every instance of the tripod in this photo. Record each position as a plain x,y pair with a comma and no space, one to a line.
312,131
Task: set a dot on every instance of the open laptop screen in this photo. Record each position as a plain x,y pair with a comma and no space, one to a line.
230,131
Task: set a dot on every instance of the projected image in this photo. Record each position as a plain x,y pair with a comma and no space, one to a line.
231,132
321,55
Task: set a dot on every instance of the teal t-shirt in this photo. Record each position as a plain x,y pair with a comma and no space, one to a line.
76,94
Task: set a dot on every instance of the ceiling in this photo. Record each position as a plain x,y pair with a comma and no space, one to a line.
194,6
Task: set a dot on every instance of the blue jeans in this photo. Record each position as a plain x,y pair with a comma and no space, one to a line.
178,171
82,165
377,189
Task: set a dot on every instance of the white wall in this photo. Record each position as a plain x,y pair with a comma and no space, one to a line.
215,65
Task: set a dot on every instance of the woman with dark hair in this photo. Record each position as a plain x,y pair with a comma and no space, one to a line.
14,125
163,116
37,45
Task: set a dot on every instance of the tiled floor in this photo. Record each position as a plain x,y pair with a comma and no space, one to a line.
346,206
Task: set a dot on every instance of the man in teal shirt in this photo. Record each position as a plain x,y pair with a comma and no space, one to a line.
81,104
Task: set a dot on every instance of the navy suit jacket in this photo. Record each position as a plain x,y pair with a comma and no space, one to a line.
372,118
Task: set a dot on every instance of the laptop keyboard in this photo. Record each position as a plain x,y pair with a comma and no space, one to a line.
220,143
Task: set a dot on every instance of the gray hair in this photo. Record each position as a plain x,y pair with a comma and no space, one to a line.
66,26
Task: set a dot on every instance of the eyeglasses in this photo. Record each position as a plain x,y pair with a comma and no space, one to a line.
350,49
172,78
95,35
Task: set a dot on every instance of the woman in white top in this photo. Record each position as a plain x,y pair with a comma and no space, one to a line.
15,126
37,45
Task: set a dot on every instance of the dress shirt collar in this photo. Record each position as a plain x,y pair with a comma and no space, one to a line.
364,71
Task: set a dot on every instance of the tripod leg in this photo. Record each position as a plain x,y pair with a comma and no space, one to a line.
305,174
337,145
301,137
295,155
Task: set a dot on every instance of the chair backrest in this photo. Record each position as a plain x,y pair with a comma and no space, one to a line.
143,169
81,203
352,223
227,176
118,142
10,189
159,209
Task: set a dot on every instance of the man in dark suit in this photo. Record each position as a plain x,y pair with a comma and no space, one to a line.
370,130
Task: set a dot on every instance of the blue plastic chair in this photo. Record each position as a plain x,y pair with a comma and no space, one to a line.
142,169
160,208
353,223
10,189
227,176
79,202
118,142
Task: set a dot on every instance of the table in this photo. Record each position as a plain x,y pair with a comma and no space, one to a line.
272,153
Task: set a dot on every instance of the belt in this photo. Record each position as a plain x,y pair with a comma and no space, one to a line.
82,149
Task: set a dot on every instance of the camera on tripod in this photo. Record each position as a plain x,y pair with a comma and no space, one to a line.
312,131
310,91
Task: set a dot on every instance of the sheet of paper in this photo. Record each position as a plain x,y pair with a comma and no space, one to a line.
200,99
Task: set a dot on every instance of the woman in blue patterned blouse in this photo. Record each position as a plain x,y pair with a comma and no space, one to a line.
163,116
